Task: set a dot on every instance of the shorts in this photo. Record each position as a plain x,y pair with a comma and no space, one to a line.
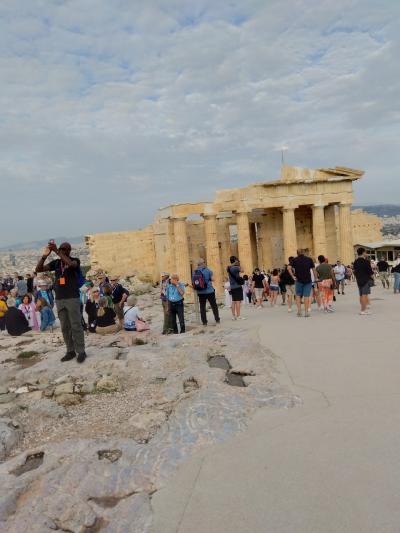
290,289
364,290
274,288
303,289
282,287
384,276
237,294
258,293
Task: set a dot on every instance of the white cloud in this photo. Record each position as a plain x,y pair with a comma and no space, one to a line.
150,103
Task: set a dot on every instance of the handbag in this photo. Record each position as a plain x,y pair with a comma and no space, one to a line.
141,325
129,325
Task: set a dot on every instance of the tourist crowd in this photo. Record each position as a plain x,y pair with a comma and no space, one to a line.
58,295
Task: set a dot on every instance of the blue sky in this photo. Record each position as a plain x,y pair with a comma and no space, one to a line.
111,109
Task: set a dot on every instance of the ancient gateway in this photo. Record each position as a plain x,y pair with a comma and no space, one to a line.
263,224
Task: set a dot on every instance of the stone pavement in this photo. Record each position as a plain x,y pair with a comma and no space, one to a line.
328,466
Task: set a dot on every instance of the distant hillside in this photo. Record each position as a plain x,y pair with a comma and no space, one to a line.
381,210
39,244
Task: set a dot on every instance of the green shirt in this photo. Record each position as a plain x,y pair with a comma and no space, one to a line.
324,271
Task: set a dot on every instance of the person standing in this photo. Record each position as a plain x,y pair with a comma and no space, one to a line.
300,268
119,296
174,293
22,286
236,282
164,302
340,276
364,276
202,279
383,272
274,286
67,279
396,275
259,285
288,280
29,284
326,283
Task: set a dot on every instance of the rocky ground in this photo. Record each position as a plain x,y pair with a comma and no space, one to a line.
84,447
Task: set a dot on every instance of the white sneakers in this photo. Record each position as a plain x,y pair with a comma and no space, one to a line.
365,313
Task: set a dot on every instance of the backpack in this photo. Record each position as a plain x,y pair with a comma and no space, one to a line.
198,280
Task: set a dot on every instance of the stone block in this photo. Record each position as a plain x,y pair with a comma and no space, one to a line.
64,388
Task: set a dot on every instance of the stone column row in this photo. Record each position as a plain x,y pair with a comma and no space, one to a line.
320,240
325,238
182,256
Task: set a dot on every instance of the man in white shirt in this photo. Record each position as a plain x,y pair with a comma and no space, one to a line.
340,275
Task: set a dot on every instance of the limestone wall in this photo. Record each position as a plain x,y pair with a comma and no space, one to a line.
123,252
366,227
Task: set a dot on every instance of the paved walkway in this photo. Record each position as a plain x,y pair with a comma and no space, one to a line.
329,466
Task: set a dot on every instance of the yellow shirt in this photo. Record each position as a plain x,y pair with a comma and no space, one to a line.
3,308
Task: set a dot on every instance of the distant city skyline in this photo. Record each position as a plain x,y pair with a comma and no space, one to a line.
109,112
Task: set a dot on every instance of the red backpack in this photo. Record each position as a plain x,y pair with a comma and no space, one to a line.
198,280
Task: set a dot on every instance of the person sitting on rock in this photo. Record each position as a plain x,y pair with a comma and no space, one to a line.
91,308
3,311
105,320
15,321
29,310
47,318
43,291
131,313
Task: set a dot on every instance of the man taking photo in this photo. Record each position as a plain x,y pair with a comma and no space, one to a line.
66,286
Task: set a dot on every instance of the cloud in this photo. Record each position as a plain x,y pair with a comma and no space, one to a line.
112,109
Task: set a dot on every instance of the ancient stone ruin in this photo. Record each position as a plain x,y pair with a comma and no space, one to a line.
262,223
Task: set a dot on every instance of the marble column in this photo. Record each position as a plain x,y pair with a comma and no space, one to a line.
331,233
346,234
289,233
264,238
213,253
182,259
244,242
225,239
318,229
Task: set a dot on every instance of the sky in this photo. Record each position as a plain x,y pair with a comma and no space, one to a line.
110,109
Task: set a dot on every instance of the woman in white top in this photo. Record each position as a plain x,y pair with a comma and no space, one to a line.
131,313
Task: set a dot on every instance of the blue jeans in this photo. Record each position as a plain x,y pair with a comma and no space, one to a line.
396,285
303,289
